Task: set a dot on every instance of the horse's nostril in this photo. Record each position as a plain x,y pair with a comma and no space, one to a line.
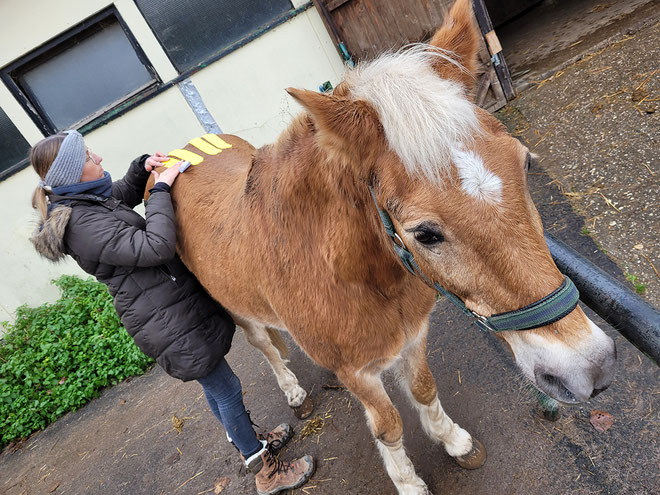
551,379
555,388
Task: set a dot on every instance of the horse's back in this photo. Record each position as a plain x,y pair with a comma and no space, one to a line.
232,158
211,213
218,178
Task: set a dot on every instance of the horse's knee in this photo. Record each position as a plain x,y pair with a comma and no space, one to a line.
387,426
419,378
384,419
389,438
419,381
422,386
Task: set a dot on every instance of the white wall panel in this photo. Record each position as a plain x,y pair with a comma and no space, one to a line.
244,91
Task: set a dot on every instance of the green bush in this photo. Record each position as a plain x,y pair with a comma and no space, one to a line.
56,357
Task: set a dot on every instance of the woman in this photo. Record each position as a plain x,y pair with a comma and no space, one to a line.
161,304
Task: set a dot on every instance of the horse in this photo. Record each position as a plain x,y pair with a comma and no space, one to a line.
290,237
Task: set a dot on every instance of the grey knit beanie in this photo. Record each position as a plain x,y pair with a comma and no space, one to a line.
67,167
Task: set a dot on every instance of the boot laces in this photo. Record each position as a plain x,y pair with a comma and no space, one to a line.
276,465
271,440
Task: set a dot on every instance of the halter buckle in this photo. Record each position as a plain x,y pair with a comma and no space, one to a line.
482,321
400,243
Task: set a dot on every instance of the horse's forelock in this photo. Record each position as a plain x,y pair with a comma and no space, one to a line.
424,116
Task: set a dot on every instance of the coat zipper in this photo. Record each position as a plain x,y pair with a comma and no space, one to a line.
167,272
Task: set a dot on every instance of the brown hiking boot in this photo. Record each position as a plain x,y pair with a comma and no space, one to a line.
277,437
274,475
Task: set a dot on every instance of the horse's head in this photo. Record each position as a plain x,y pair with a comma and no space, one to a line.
455,184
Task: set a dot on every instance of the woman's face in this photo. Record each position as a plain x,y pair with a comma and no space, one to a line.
92,169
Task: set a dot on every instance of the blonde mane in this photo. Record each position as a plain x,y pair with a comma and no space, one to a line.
424,116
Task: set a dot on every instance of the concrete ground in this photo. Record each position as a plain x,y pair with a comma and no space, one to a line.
127,442
594,122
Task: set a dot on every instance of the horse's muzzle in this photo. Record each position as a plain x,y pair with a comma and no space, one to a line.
578,383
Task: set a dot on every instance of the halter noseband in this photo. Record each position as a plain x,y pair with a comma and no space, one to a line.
545,311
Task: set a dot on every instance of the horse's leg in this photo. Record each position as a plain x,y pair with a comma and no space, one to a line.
420,385
266,340
387,428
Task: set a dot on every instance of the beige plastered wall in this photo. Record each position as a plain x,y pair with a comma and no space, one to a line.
244,91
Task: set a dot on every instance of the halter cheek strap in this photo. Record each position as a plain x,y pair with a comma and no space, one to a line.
545,311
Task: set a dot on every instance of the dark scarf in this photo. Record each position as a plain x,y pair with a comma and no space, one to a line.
99,187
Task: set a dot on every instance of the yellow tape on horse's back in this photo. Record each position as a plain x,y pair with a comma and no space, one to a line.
204,147
216,141
209,144
189,156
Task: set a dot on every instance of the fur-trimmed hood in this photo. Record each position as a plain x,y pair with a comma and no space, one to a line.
48,237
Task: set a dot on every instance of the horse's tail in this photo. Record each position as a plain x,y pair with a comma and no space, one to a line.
276,339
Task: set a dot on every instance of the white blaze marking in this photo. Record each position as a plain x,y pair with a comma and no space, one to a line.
476,179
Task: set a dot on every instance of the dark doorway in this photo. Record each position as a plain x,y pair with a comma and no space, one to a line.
551,32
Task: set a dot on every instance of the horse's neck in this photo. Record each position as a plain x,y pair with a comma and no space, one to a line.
297,172
319,197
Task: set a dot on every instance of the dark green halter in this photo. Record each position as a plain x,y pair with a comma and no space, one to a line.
545,311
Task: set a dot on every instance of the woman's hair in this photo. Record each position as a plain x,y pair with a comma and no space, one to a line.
42,156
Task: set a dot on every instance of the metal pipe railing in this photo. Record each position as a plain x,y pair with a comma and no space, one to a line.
629,314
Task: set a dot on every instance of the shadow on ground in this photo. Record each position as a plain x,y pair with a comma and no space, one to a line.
126,442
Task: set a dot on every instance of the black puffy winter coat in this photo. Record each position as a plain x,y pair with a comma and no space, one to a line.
161,304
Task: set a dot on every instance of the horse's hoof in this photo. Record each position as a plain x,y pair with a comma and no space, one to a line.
305,409
475,458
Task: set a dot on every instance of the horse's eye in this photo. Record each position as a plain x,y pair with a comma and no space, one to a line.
530,160
428,237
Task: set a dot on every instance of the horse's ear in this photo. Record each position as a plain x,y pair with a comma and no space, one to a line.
349,120
459,35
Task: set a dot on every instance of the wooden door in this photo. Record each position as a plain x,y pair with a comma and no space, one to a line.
363,29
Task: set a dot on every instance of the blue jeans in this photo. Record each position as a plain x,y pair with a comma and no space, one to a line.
225,397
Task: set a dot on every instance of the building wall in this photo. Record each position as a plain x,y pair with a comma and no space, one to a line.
244,91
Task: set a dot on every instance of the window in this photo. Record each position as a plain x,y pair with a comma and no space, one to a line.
13,147
193,31
80,75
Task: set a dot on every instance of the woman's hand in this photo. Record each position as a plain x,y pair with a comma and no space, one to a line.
168,175
154,161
